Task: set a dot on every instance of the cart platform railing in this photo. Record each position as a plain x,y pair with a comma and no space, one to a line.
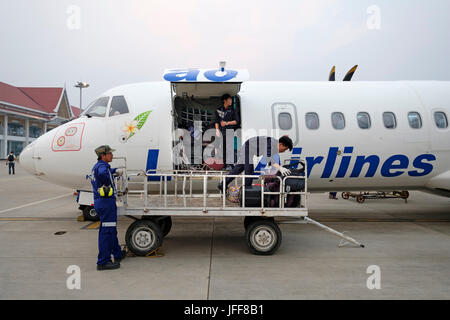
182,199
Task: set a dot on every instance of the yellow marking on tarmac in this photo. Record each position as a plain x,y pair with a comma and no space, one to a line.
94,225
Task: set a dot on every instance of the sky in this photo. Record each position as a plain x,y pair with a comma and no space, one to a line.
107,43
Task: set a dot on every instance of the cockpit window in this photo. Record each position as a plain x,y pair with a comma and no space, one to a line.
97,108
118,106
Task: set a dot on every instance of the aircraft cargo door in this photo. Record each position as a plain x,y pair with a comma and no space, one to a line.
284,118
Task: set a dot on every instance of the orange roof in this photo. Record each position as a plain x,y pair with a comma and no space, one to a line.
38,99
47,98
75,111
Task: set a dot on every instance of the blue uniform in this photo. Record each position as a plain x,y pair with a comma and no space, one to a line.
108,244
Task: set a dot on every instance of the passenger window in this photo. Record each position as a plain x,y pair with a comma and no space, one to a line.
98,107
363,120
312,121
118,106
338,120
390,122
285,121
414,119
441,120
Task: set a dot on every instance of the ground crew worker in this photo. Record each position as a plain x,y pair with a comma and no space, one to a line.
226,118
267,147
10,163
105,205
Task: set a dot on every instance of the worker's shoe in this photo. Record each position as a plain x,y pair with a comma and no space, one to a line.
123,256
108,266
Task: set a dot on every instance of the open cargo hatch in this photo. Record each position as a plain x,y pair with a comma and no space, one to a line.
196,95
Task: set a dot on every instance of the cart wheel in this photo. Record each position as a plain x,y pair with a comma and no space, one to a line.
345,195
263,237
90,214
250,219
360,199
166,225
143,237
164,222
404,194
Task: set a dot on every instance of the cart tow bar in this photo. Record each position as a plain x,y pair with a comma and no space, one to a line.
344,238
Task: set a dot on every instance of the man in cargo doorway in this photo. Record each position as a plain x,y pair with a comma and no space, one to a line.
227,118
267,147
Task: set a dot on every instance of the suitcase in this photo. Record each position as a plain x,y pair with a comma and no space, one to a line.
253,197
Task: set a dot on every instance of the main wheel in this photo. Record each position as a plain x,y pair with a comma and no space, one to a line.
90,214
143,237
360,199
345,195
263,237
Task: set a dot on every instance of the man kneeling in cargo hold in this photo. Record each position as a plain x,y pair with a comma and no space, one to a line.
267,147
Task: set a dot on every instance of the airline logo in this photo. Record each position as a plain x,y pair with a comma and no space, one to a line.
203,75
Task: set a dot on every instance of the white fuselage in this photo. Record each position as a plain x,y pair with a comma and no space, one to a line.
352,158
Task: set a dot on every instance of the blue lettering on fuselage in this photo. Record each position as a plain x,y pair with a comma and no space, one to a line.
394,166
192,74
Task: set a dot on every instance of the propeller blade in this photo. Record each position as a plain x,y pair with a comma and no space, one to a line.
349,75
332,74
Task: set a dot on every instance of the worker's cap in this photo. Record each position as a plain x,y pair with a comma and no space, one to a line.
103,150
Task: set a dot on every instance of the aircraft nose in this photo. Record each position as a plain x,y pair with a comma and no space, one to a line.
26,158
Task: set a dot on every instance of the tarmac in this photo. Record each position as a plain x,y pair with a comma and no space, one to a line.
407,244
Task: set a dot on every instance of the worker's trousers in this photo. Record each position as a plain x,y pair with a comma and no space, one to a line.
11,167
108,244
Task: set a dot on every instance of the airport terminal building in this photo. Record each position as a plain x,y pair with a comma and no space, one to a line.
28,112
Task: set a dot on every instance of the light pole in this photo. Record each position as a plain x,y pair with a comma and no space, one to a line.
81,85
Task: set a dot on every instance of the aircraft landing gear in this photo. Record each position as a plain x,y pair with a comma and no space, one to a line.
90,214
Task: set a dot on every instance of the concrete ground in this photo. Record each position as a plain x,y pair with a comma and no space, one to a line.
208,258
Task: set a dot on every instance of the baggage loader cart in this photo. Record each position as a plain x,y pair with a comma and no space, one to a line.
188,193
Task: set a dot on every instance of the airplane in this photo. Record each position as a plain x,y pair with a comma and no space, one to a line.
354,136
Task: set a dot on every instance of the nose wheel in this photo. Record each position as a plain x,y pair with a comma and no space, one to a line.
90,214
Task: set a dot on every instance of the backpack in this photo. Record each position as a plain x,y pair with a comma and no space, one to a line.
10,158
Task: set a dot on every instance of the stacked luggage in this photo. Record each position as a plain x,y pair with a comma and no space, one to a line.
253,193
